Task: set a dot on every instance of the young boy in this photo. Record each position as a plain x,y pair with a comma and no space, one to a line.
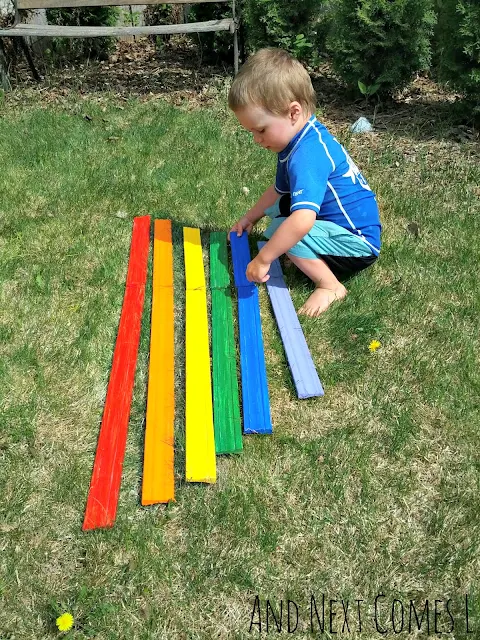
326,218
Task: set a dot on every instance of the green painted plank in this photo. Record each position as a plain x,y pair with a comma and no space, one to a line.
226,405
219,275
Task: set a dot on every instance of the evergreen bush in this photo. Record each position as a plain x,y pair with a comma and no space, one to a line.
457,45
298,27
215,45
381,42
283,23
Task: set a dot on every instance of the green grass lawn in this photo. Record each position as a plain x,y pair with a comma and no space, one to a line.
373,489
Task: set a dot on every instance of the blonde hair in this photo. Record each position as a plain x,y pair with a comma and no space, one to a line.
272,79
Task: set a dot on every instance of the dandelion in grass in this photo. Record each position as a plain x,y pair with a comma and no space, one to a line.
65,622
374,345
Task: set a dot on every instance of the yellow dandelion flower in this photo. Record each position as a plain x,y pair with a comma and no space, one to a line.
65,622
373,346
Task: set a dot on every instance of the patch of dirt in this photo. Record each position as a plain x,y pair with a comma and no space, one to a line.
178,73
135,69
423,110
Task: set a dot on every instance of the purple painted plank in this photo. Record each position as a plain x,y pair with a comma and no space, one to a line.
305,376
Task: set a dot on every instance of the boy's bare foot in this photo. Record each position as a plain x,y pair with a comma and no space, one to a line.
321,299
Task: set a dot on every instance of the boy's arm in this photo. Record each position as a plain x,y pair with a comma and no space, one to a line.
291,231
254,214
266,200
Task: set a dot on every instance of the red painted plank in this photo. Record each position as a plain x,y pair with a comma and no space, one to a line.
107,469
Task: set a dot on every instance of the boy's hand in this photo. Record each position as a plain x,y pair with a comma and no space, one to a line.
244,224
257,270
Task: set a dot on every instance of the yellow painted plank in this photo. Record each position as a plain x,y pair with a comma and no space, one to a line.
158,473
194,272
200,465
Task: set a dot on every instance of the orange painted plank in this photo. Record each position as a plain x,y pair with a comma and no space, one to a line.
158,476
107,469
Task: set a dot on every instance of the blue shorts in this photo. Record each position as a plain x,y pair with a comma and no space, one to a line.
343,252
324,239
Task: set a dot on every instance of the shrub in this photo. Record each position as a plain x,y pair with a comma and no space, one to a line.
457,45
155,14
84,16
298,27
159,14
283,23
215,45
381,42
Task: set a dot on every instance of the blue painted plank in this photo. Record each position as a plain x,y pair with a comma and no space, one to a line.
255,400
304,374
240,258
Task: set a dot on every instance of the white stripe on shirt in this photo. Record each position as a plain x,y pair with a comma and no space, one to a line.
326,150
313,204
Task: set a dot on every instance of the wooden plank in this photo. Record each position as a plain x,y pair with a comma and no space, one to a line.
199,434
240,260
53,31
51,4
158,471
54,4
219,275
107,469
304,374
256,403
226,406
192,246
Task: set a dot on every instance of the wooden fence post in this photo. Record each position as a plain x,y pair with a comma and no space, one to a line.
4,79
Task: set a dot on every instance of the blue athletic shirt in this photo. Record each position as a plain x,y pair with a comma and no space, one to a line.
318,173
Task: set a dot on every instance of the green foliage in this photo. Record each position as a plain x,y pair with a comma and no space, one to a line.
382,42
282,23
159,14
301,46
368,91
215,46
297,27
83,16
457,45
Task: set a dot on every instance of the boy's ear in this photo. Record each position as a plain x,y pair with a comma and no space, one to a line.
295,111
